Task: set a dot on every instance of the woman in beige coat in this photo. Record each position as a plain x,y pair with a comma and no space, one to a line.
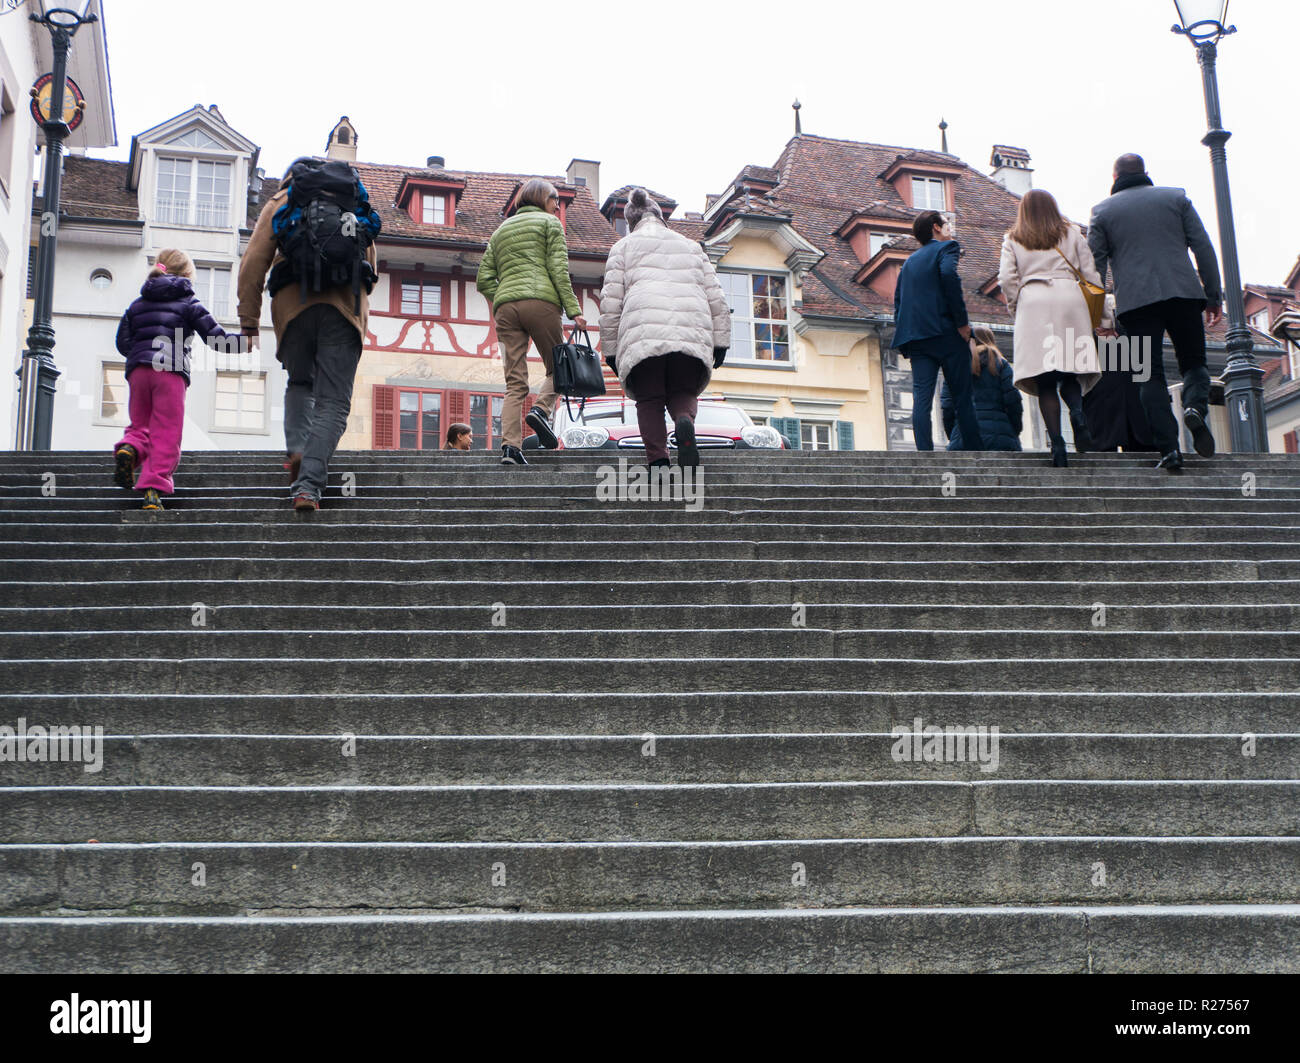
1055,352
664,326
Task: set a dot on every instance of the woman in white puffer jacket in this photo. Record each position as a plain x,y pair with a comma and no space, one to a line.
664,326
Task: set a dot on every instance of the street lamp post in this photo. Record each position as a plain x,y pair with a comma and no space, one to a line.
1204,22
38,374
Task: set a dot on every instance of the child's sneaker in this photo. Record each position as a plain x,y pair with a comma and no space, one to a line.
152,500
304,503
125,458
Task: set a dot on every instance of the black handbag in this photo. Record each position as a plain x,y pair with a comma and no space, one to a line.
578,374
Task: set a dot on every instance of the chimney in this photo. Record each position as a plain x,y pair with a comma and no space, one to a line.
342,142
585,172
435,162
1011,169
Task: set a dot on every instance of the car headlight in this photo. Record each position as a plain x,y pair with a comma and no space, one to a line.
762,436
579,437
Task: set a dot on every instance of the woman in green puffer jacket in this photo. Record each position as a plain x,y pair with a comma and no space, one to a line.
525,276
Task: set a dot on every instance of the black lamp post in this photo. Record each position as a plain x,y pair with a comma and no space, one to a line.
38,373
1203,22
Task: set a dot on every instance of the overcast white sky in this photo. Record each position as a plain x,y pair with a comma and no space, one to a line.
679,95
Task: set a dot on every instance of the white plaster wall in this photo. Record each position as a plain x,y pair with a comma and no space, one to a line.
18,72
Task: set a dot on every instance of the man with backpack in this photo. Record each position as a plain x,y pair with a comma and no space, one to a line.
316,239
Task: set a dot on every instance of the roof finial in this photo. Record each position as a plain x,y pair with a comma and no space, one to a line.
943,135
798,127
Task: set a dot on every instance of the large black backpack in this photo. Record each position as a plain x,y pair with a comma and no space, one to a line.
324,229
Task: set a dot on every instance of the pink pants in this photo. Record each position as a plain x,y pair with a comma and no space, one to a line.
157,408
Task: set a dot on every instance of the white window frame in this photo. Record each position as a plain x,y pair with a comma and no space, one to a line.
122,419
206,288
1293,349
239,429
431,205
878,241
424,289
189,212
927,187
829,426
747,322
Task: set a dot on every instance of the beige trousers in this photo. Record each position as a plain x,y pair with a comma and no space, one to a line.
518,322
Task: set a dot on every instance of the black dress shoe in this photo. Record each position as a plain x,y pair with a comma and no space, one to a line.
512,455
1172,462
688,454
1082,437
1202,440
541,424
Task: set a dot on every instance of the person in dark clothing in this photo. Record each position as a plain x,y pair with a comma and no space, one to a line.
154,336
1116,419
1143,233
998,405
932,330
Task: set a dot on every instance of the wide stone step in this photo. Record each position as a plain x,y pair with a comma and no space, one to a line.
626,643
678,812
1065,616
945,537
735,547
384,760
393,481
287,675
566,713
288,878
1095,939
647,569
524,511
927,588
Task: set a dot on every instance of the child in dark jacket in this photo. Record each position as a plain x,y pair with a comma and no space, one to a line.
154,337
998,406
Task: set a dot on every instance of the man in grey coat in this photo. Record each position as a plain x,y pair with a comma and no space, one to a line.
1143,233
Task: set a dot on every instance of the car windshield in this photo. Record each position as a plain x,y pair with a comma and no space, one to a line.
729,417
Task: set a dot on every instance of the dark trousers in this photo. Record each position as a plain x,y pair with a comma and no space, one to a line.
667,381
1147,326
320,351
953,357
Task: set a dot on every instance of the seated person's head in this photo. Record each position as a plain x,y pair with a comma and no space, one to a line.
929,226
460,437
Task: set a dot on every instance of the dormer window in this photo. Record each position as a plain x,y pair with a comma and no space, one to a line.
433,210
193,192
929,193
925,180
878,240
430,200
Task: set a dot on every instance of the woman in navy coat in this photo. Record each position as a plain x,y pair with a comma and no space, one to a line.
998,405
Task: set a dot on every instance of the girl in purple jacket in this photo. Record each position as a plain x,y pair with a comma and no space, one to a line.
154,337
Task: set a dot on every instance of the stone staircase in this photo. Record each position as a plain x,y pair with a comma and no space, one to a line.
469,718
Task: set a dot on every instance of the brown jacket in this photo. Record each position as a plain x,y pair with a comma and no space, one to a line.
287,303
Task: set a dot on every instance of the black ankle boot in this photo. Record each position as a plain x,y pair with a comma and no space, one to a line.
1082,437
1058,454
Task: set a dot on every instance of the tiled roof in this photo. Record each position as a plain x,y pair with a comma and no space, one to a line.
666,203
691,228
824,182
479,211
94,188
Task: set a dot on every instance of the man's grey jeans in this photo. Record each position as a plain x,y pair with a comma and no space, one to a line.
320,351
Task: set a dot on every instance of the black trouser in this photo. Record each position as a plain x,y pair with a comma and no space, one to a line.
952,355
1147,326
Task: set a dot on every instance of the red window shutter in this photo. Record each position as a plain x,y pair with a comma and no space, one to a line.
385,419
1291,442
457,408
